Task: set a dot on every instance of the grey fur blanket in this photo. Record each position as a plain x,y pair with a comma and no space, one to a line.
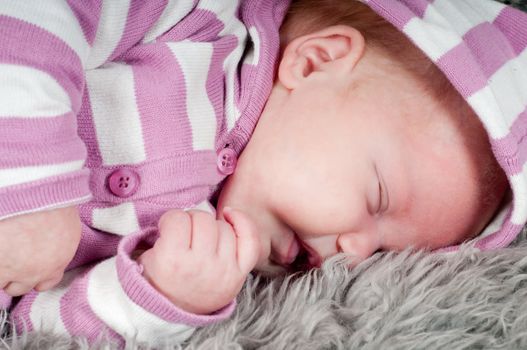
464,300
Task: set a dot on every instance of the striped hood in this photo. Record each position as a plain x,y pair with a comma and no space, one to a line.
481,47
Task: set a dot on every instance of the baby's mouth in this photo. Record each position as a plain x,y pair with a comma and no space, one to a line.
301,262
306,259
299,257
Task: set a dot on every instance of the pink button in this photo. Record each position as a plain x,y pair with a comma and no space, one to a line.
123,182
226,161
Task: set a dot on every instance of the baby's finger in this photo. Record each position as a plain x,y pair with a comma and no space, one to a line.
4,282
226,241
248,242
16,289
175,229
204,232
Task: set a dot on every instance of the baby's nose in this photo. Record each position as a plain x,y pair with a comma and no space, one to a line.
359,245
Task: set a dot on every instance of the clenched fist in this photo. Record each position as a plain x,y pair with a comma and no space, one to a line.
36,248
200,263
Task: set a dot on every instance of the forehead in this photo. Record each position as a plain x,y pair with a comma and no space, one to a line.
442,149
442,202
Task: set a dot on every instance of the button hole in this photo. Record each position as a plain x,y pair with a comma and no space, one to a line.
125,185
127,178
120,185
223,163
121,178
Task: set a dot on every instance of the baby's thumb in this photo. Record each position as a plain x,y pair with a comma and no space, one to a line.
248,241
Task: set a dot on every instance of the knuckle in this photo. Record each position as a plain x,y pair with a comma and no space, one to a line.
173,215
172,218
200,215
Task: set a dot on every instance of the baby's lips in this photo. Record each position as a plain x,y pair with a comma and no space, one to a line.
292,252
314,259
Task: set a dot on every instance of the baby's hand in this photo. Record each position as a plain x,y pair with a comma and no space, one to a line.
36,248
200,263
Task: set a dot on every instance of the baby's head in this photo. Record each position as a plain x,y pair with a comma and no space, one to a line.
362,146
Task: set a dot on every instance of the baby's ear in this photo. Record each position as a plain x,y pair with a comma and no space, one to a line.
336,50
359,245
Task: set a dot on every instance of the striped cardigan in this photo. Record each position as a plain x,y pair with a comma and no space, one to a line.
480,45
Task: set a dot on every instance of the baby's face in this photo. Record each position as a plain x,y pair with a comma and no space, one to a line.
334,169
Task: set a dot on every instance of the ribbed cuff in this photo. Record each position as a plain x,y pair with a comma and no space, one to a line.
5,300
50,193
145,295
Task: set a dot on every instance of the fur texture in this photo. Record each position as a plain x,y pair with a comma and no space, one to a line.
464,300
520,4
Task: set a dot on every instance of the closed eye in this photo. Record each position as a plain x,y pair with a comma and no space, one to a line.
384,198
379,207
383,194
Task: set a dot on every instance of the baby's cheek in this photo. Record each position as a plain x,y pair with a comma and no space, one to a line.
412,234
432,236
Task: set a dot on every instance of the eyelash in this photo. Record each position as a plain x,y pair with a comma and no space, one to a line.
380,198
383,197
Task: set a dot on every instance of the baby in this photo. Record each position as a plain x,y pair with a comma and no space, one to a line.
385,125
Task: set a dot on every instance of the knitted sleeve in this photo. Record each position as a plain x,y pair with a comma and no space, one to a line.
45,49
113,299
